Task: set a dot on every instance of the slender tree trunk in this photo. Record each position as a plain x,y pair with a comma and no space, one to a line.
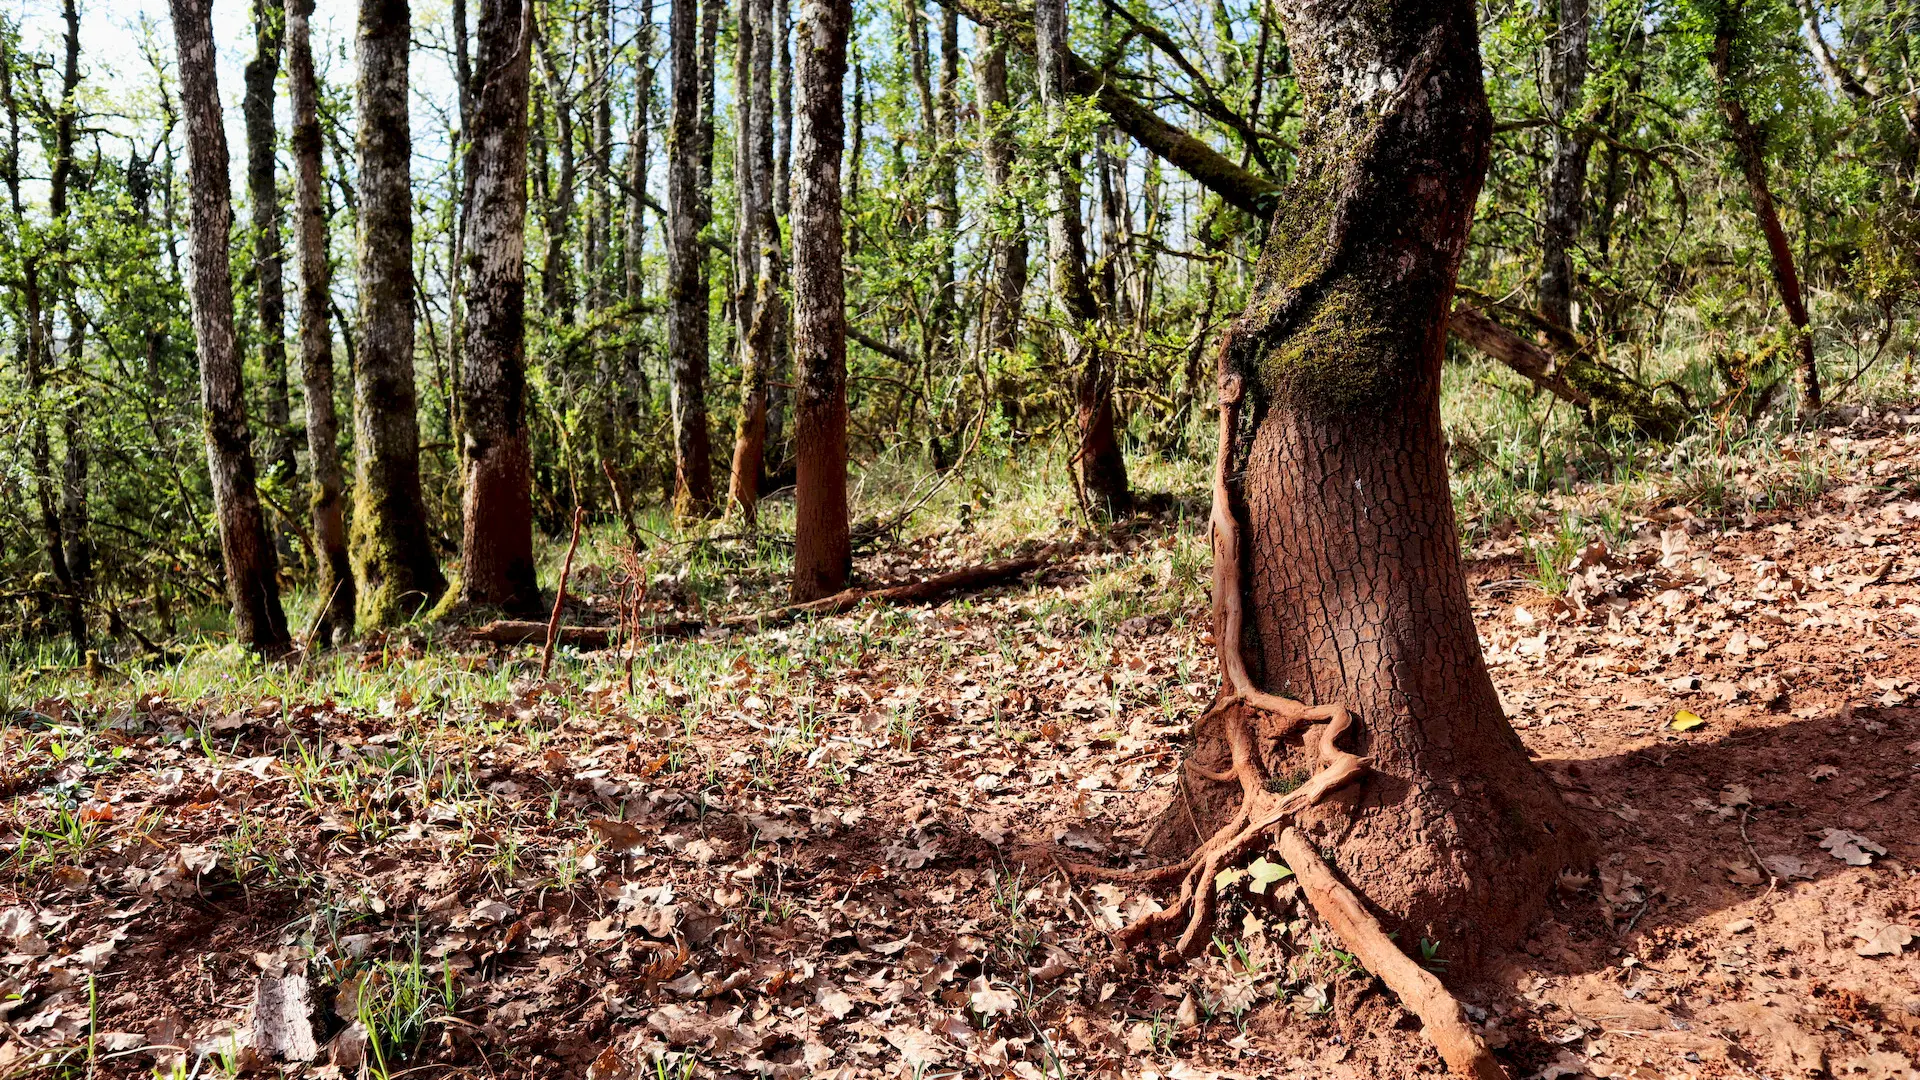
1102,470
687,270
1335,474
328,502
1747,145
556,278
636,238
263,195
42,295
600,243
779,377
497,510
252,586
1566,196
1007,231
822,551
398,573
756,247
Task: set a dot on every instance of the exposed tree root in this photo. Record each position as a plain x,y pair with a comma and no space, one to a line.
1251,719
1441,1017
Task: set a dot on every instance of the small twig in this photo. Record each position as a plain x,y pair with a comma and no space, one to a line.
560,593
1772,881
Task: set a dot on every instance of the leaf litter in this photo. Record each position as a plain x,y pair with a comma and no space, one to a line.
830,849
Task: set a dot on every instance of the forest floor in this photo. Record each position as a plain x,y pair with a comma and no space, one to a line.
835,848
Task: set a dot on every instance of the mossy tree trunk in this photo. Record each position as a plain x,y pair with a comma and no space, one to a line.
756,246
1337,472
327,504
497,506
1006,231
1566,200
687,269
822,545
392,551
252,585
263,194
1102,470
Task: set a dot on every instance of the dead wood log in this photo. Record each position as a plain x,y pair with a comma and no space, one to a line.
926,590
1566,368
526,631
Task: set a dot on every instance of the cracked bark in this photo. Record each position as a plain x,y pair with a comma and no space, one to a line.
1337,478
687,270
327,503
497,505
393,556
1102,469
822,551
252,586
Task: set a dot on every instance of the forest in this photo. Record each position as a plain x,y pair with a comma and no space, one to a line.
960,538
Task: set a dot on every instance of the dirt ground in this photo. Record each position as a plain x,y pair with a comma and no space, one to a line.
854,867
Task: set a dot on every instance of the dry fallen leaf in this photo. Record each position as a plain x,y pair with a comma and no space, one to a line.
990,1000
618,835
1881,938
1850,847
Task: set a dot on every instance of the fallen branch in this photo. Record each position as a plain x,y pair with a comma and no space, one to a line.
560,593
1441,1017
927,590
525,631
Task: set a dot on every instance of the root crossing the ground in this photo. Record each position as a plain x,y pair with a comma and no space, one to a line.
1251,720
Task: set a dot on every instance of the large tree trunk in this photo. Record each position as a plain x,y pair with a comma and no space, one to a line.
252,587
270,301
1007,231
756,247
497,507
1335,474
328,503
822,547
687,271
1102,470
392,551
1567,174
1753,162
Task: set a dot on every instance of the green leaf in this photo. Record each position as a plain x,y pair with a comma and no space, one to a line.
1224,880
1262,873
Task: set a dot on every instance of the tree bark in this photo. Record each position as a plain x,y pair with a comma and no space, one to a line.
1102,470
822,551
687,271
327,504
1336,476
1747,145
252,587
756,247
497,506
636,238
393,555
42,295
1566,202
1006,232
263,196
